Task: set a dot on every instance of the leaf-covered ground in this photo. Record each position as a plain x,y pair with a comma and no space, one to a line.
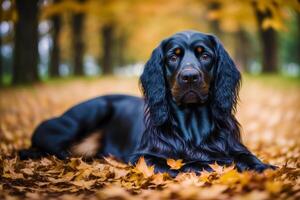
269,113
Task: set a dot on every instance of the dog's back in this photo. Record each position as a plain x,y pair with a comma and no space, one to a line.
106,125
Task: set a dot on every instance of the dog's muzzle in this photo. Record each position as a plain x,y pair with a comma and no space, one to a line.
189,77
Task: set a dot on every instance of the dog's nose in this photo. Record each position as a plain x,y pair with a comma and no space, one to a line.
189,76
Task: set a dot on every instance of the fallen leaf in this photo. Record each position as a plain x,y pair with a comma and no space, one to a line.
275,139
142,167
273,187
217,168
113,162
230,177
175,164
160,178
84,184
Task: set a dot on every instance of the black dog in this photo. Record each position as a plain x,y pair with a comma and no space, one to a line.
190,85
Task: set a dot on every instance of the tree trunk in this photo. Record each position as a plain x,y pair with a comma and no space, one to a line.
120,53
215,24
242,50
55,51
297,40
108,44
25,66
269,44
78,43
1,67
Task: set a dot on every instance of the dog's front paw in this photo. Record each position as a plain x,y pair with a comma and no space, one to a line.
258,167
262,167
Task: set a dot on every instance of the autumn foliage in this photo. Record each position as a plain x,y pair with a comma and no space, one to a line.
270,127
65,36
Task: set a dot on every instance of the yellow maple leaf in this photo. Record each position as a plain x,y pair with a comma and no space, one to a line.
175,164
142,167
230,177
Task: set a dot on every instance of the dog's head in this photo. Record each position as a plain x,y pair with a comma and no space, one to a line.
189,68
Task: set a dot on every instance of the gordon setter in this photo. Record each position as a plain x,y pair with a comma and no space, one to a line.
190,86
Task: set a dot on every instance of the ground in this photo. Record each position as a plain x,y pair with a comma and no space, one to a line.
269,112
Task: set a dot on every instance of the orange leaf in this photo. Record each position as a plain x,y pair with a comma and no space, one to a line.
175,164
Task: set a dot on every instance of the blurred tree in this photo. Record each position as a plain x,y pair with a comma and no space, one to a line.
266,16
290,43
239,37
243,49
118,22
152,20
8,16
108,40
121,41
215,23
269,40
55,51
112,16
78,41
298,40
25,66
1,68
240,52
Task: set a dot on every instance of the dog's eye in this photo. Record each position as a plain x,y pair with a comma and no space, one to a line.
205,56
177,51
199,50
173,58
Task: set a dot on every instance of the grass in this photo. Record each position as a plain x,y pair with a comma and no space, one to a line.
273,80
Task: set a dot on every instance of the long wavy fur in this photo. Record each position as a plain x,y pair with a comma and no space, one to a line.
160,139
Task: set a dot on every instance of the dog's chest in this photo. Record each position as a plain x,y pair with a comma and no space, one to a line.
194,125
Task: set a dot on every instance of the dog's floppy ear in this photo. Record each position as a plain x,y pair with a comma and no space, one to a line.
226,81
154,87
